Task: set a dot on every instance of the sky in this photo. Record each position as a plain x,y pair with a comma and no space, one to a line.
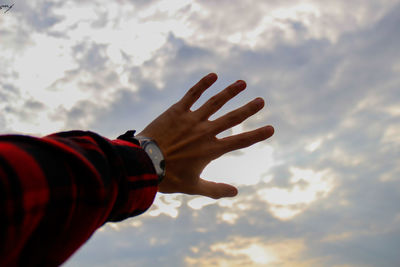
323,191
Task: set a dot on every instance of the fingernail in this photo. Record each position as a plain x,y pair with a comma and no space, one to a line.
259,102
239,82
269,129
233,192
211,75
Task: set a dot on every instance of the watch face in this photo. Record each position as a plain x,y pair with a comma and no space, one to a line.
152,150
156,156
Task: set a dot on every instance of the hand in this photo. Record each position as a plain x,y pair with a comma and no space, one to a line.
189,143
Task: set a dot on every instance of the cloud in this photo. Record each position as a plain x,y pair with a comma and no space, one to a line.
240,251
323,191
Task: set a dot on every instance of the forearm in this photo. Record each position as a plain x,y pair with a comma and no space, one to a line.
59,189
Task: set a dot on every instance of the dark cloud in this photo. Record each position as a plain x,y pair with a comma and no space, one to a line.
34,105
38,16
8,92
91,57
77,117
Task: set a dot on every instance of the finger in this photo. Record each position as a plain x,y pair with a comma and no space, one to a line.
195,92
220,99
237,116
215,190
245,139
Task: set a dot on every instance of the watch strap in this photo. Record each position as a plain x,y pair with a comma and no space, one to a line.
130,137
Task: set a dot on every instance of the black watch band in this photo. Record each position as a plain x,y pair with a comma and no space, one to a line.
152,149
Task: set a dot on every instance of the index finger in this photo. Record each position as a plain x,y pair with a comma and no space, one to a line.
197,90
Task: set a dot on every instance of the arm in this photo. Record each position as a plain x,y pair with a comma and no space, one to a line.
57,190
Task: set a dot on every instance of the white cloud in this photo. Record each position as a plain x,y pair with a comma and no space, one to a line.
392,135
307,186
200,202
166,204
241,251
228,217
314,145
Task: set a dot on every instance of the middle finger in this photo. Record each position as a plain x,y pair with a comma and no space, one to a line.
220,99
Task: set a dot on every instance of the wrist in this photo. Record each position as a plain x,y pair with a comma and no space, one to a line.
151,148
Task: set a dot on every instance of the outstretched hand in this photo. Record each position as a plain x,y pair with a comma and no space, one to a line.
189,143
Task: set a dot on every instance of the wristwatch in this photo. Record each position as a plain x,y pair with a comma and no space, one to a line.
152,149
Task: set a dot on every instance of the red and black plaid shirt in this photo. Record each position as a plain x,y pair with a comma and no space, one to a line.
57,190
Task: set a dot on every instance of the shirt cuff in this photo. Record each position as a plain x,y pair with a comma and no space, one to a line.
139,185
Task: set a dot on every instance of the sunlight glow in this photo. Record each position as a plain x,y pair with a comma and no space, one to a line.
307,187
43,63
257,159
241,251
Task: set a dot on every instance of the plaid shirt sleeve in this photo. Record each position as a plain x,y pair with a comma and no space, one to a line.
55,191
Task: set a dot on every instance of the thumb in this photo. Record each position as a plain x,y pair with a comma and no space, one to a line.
215,190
